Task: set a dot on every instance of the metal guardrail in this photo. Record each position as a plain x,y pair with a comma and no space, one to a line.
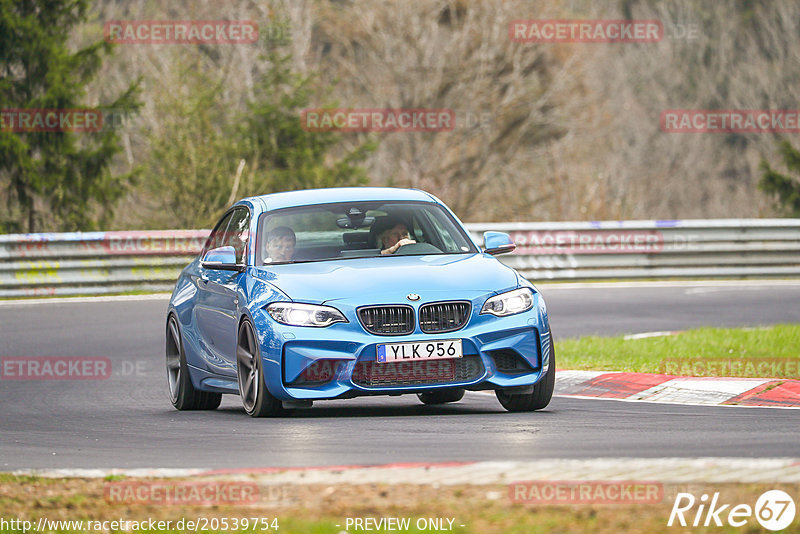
91,263
111,262
713,248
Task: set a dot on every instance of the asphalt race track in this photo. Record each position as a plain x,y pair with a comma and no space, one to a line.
127,420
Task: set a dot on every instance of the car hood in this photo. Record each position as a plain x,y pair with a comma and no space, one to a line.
390,279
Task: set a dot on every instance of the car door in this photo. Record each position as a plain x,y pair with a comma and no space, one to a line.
217,300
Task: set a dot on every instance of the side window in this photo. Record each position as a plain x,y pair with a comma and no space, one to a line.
216,239
238,233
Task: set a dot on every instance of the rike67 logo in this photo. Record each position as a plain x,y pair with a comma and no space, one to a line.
774,510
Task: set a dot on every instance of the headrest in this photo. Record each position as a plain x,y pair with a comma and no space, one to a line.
381,224
351,238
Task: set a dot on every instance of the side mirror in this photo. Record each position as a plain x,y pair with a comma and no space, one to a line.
497,243
222,258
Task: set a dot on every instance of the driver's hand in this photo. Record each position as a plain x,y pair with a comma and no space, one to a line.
393,248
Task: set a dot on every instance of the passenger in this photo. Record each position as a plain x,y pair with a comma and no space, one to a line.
279,245
394,238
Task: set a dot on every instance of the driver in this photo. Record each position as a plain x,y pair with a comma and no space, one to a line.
280,244
393,238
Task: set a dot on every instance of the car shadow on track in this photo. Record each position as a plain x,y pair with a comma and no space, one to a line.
391,408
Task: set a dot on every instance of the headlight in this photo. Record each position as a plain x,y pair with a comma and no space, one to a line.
295,314
509,303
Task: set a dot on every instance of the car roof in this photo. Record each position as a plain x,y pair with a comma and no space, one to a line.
331,195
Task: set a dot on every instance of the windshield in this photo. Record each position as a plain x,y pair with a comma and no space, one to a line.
357,230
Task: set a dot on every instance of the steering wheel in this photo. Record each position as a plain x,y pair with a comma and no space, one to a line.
417,248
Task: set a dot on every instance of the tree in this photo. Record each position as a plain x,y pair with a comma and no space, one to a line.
205,155
785,188
284,156
510,100
194,155
54,180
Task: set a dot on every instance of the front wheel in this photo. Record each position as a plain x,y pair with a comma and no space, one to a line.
538,398
182,393
257,401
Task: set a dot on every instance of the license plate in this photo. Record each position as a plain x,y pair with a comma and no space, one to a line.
427,350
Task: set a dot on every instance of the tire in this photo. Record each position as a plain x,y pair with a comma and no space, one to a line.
256,400
182,393
441,396
537,399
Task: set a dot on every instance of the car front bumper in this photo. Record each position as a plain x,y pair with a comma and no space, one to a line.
339,361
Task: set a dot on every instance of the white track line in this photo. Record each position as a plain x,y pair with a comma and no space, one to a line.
677,403
80,300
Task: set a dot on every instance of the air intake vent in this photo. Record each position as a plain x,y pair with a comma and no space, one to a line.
510,362
443,316
413,373
387,320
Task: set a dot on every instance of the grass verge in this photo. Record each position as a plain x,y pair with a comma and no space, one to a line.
325,509
765,352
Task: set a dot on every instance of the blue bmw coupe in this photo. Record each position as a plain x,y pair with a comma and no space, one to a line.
344,292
